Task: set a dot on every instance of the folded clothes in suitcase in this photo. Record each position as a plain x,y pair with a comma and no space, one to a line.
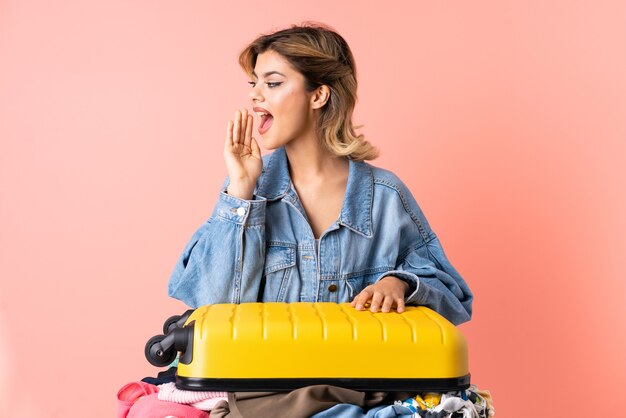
283,346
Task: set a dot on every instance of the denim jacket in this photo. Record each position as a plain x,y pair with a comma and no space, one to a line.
264,249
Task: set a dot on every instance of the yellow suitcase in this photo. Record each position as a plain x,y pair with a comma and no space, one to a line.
284,346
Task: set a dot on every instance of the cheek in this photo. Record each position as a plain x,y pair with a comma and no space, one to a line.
292,101
284,101
291,110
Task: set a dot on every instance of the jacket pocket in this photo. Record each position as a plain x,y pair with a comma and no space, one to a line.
280,261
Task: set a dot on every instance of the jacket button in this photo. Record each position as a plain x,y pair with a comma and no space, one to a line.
332,287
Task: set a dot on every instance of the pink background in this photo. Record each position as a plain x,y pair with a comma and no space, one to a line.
505,118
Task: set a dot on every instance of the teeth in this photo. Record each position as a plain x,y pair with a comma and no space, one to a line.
262,113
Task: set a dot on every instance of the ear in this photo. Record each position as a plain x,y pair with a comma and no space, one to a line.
320,97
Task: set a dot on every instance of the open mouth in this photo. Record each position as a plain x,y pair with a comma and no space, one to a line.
266,122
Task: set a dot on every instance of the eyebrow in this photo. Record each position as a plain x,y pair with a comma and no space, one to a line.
269,73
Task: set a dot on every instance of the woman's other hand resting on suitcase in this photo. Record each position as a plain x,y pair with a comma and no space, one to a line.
388,293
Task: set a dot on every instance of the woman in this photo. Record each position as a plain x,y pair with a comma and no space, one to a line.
312,221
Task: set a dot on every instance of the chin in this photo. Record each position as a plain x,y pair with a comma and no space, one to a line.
271,143
268,144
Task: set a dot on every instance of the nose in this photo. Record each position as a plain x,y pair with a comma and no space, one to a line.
255,94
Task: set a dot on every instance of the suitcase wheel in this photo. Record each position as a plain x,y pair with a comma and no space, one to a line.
156,354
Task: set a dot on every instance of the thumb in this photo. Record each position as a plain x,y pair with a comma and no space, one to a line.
256,151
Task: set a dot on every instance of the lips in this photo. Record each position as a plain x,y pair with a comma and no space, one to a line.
266,119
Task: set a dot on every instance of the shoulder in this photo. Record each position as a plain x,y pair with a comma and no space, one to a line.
386,179
390,189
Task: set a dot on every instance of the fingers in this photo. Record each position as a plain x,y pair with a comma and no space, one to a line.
237,127
245,118
383,296
361,299
248,135
241,130
400,305
229,135
377,300
387,304
256,151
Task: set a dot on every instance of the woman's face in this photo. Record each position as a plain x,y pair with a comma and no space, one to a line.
279,97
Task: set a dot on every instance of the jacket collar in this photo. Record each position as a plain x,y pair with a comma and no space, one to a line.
356,211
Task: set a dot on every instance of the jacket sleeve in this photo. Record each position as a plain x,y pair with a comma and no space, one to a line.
422,263
223,261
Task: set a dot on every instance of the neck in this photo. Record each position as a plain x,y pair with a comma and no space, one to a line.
310,161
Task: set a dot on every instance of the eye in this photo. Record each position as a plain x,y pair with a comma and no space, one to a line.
252,83
273,84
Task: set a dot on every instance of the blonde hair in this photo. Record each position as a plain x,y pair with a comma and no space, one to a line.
323,57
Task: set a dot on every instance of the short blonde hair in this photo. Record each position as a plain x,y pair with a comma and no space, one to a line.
323,57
